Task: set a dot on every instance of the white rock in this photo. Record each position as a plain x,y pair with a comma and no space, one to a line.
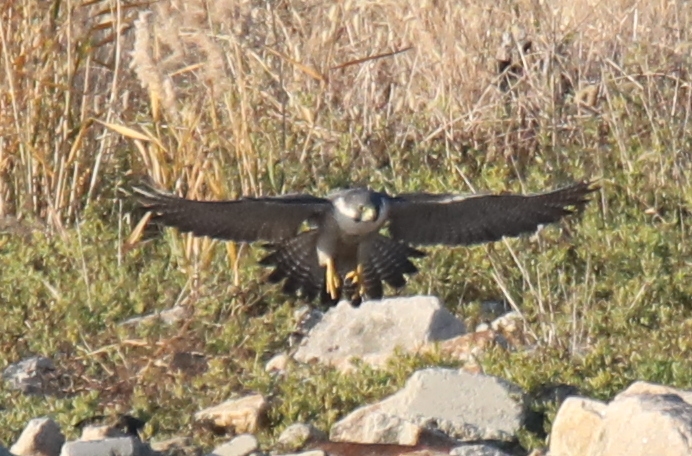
374,330
278,363
242,445
645,419
41,437
240,415
462,405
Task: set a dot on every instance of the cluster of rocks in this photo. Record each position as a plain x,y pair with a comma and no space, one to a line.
436,412
439,411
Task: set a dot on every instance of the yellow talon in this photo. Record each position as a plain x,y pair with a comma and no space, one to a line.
355,275
356,278
333,280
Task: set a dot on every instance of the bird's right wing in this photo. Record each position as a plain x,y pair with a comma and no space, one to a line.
269,219
456,220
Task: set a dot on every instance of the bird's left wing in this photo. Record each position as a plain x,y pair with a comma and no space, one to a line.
454,220
245,220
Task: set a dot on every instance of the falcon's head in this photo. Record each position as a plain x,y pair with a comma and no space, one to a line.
360,210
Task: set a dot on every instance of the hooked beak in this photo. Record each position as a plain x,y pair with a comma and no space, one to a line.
368,214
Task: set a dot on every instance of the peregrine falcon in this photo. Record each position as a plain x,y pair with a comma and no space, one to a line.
347,244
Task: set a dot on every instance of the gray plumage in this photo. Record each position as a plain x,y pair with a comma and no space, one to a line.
317,245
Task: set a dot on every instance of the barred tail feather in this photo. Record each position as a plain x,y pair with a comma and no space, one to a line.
388,261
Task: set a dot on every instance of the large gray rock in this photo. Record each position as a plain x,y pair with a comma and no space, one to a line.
121,446
31,375
462,405
41,437
4,451
374,330
640,425
645,419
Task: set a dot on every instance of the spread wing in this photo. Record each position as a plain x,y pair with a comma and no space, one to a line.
454,220
245,220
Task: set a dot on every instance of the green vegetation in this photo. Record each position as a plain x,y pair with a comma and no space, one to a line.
226,98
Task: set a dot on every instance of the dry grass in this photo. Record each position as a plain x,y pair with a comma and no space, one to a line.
227,91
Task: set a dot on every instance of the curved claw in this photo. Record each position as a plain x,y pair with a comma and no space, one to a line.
355,277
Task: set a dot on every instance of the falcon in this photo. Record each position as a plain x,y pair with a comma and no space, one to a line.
348,244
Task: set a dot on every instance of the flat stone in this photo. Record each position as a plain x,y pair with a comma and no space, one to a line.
576,422
477,450
242,445
121,446
373,331
240,415
31,375
40,437
297,435
461,405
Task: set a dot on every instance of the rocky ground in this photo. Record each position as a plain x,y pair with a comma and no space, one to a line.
439,411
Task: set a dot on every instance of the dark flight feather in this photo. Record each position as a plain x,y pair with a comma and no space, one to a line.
270,219
425,219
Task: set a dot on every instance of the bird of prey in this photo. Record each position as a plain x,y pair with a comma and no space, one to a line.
347,244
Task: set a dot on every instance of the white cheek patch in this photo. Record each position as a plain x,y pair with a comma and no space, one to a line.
344,209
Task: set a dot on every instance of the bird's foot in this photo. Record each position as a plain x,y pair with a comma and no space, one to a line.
355,277
333,280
